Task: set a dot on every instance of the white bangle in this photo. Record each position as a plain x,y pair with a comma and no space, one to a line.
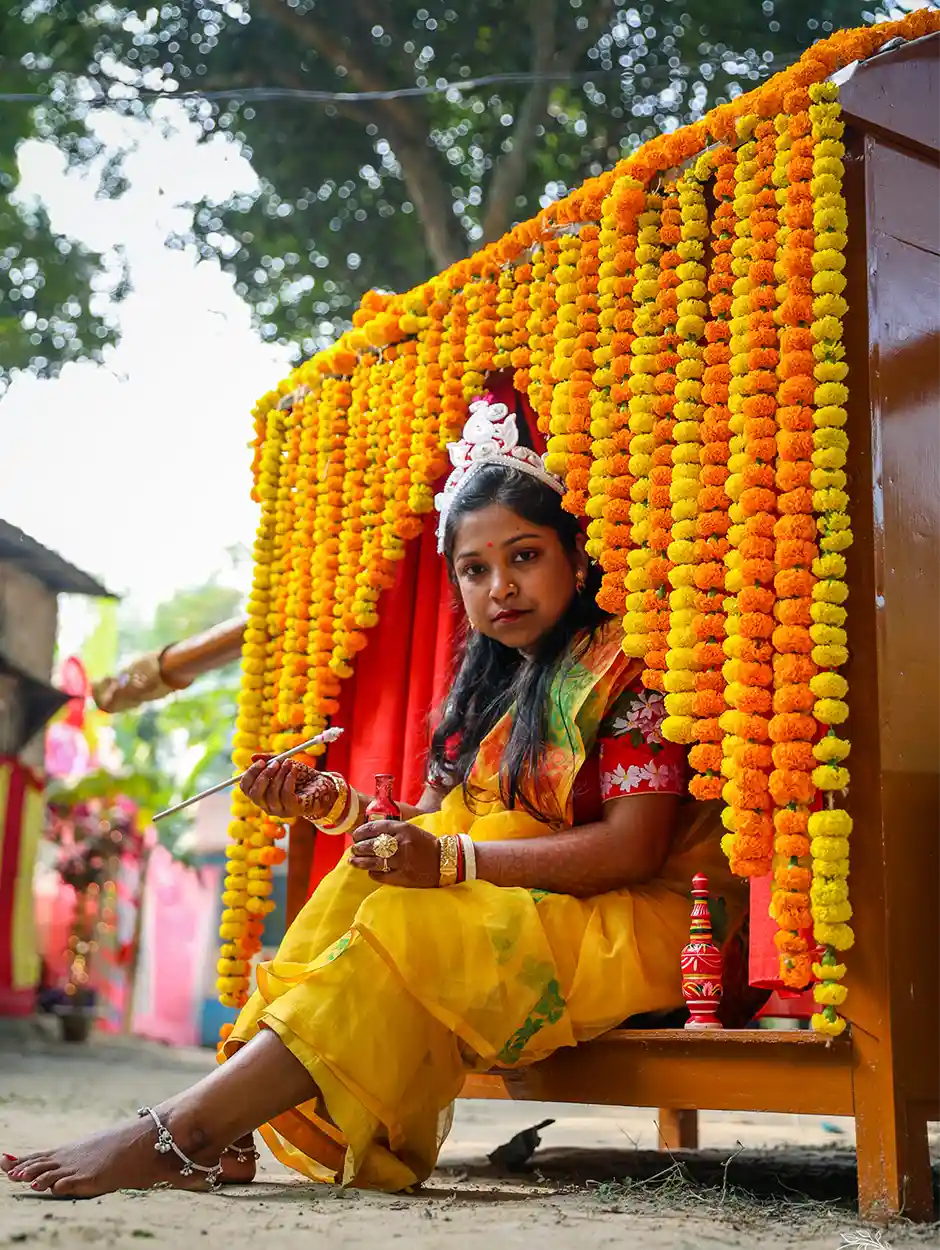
469,857
351,819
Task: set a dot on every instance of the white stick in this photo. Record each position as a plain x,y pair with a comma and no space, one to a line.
328,735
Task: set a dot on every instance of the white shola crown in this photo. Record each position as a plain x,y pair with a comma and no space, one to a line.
490,437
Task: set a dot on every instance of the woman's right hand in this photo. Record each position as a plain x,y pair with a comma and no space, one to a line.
289,789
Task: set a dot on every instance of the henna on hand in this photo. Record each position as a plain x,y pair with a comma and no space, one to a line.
315,793
289,789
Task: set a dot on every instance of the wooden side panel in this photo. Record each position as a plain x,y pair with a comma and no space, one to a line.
905,216
894,672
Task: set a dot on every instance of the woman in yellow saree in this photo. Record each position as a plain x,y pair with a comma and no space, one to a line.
537,897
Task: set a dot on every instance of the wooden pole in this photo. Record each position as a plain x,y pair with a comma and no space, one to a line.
177,666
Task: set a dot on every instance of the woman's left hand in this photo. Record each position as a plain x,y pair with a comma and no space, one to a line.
417,859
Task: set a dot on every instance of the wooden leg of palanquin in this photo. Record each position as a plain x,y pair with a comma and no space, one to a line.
678,1130
894,1173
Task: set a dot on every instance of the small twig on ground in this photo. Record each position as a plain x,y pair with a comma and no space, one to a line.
724,1173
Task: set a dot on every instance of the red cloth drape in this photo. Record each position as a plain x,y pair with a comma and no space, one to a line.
400,678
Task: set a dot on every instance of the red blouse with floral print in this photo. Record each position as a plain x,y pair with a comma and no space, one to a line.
631,756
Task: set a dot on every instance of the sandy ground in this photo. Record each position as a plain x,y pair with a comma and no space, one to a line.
597,1180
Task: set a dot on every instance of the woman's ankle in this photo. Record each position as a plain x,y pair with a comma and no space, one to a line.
198,1139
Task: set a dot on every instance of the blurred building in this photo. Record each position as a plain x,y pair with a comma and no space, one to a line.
31,579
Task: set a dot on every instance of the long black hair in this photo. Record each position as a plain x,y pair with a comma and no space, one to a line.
493,678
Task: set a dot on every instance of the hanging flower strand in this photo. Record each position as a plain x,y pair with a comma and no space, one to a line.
749,622
239,931
661,473
608,505
292,678
562,364
829,828
681,663
580,383
791,728
713,521
642,384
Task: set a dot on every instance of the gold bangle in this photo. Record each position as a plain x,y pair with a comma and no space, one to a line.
335,813
449,860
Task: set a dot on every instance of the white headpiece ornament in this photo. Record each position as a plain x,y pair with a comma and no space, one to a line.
490,437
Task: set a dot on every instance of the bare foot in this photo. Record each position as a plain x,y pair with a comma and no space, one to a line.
239,1162
125,1158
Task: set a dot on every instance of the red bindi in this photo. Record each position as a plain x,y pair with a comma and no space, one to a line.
489,544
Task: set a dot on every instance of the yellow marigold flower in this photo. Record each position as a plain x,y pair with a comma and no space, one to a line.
833,823
828,777
830,993
831,711
831,749
829,686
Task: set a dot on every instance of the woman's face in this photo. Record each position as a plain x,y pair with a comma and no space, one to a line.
515,578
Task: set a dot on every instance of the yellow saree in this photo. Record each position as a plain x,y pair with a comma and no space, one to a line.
388,996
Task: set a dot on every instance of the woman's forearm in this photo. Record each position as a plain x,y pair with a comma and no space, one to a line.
590,859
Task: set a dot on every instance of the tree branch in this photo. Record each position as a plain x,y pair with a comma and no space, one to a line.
511,167
406,129
378,13
332,49
600,17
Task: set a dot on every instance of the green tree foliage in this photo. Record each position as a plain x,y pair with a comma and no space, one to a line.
357,193
55,294
181,744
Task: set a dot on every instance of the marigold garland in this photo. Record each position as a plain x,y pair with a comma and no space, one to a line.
750,622
644,352
795,548
541,329
520,355
564,344
400,524
829,829
374,574
656,599
713,521
610,478
580,374
480,347
453,355
348,638
506,334
239,930
681,662
427,459
292,512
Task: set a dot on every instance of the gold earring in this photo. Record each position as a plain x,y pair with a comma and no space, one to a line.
580,580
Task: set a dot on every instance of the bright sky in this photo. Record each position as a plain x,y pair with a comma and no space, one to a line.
138,471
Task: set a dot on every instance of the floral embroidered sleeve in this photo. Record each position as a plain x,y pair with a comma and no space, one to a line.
634,756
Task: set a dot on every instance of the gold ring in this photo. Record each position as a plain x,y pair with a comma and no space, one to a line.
385,846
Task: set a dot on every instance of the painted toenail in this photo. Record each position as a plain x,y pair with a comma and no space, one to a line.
11,1158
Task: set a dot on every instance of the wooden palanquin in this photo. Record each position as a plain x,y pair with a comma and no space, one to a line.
886,1072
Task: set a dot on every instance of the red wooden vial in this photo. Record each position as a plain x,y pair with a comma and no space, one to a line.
701,963
383,806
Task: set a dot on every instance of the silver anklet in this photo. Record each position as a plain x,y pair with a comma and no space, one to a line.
241,1154
165,1144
